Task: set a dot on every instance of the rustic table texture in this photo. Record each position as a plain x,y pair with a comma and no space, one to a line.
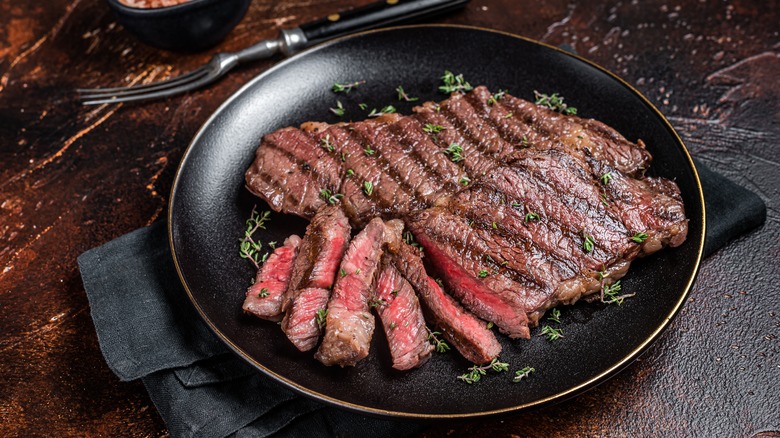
74,177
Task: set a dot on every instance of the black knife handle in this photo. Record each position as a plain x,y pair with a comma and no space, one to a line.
379,14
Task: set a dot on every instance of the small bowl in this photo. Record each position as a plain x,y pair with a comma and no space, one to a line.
187,27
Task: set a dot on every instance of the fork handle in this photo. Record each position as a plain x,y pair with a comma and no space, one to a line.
382,13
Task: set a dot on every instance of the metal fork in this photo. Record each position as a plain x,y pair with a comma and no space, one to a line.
381,13
289,41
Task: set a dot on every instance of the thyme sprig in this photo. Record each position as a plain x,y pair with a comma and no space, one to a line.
496,97
249,248
609,293
455,151
321,317
639,237
555,316
522,374
452,83
403,96
263,293
330,197
476,372
338,110
606,178
553,102
588,242
531,216
553,334
389,109
439,345
326,144
346,88
430,128
464,181
368,188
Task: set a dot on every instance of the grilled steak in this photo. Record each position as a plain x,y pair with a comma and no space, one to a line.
404,157
314,271
518,207
521,230
264,298
468,334
402,318
350,324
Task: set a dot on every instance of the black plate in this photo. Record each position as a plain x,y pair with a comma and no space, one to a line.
209,205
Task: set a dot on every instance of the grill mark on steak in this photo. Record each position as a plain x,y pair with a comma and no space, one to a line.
264,297
310,158
409,133
390,156
581,210
608,144
350,324
402,319
460,328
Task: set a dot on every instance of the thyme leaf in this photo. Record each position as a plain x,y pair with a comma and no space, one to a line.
522,373
476,372
248,247
346,88
588,243
555,316
439,345
338,110
454,83
403,96
553,334
430,128
330,197
455,151
368,188
321,317
553,102
639,237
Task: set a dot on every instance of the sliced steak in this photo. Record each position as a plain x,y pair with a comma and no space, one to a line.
300,324
323,245
463,330
314,272
264,298
350,324
402,319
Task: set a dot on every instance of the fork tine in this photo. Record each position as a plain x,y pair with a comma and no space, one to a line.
155,94
98,93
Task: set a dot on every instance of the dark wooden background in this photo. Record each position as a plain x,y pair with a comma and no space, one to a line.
74,177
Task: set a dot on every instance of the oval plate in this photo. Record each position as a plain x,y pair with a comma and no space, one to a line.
209,205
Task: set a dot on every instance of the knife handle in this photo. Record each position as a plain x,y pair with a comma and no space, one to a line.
379,14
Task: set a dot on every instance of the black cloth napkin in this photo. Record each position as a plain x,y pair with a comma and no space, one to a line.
148,330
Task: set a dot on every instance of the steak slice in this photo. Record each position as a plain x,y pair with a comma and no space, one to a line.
401,316
350,324
264,297
300,323
464,331
314,271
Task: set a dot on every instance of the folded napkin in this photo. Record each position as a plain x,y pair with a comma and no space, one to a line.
148,330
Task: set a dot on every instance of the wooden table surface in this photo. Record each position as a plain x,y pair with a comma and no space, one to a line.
74,177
